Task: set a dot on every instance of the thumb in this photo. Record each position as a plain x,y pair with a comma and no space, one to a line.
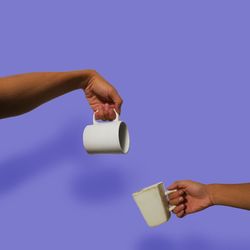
116,99
174,185
177,185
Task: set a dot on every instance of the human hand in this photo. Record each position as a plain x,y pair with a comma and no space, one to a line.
190,197
102,97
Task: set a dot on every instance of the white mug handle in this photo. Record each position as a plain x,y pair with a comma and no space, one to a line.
167,192
117,118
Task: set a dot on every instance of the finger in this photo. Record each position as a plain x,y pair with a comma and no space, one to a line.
176,194
112,106
176,201
179,208
115,97
99,114
111,114
106,111
181,214
174,185
178,185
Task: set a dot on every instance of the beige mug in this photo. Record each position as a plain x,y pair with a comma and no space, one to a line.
153,204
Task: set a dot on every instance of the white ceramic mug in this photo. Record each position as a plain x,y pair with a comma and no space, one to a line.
153,204
106,137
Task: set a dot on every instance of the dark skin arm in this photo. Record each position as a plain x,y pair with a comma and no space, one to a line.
22,93
192,197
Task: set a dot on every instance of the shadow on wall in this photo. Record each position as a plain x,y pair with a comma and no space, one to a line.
153,242
19,169
199,242
92,182
101,183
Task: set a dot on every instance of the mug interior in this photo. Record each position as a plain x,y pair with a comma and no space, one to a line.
124,137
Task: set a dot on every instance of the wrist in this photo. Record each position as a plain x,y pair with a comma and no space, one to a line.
211,193
87,76
79,79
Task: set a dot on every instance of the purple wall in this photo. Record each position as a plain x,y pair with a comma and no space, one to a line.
182,68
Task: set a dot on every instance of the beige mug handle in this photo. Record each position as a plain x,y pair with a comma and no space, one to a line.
167,192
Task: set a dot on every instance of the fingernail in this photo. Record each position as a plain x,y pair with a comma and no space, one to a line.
181,199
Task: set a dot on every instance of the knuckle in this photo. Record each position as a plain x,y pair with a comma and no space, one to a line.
171,202
93,72
175,202
180,192
176,183
175,211
170,196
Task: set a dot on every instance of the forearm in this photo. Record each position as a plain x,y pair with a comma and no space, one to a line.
22,93
234,195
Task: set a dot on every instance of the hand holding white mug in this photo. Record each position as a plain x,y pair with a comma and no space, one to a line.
102,96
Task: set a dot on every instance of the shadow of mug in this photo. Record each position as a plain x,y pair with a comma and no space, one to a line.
99,183
156,242
94,182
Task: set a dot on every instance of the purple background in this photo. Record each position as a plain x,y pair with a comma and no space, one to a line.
182,68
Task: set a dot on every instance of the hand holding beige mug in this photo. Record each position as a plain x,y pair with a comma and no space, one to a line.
195,196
